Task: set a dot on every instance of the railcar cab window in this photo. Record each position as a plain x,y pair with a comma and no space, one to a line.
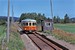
26,24
47,24
29,24
34,24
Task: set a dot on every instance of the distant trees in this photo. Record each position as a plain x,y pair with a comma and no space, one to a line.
56,19
66,19
2,22
39,17
35,16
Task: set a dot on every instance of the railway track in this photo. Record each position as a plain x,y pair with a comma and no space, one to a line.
44,43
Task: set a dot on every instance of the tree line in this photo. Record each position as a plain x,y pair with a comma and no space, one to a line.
39,17
36,16
3,19
66,19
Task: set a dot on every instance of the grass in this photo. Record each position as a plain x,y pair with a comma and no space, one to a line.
66,27
65,32
15,42
2,34
2,29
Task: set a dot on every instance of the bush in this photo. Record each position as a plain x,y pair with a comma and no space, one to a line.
2,22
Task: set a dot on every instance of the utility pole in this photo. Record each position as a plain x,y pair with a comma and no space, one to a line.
12,14
52,17
51,9
8,22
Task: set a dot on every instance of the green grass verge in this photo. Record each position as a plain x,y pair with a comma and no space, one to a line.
2,29
2,34
15,42
66,27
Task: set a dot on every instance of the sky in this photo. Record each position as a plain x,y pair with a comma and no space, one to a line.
60,7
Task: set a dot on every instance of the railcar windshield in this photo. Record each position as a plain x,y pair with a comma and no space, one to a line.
29,24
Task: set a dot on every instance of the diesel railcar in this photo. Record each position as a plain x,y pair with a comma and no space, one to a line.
29,25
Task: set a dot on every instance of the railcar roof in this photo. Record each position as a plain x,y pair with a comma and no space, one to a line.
27,20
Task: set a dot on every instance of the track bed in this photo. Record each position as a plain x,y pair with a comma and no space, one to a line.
43,43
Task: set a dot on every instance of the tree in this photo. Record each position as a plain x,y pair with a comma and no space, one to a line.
58,19
61,20
22,17
2,22
54,19
48,18
35,16
66,18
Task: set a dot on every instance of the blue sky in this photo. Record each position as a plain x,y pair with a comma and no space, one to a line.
60,7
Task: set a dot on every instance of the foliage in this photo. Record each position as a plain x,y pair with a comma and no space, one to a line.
2,34
56,19
3,19
66,18
15,42
35,16
39,17
2,29
2,22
